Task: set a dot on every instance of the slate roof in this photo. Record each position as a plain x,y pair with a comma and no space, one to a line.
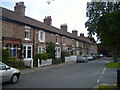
12,16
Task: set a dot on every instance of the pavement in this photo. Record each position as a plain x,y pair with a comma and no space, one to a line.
107,77
35,69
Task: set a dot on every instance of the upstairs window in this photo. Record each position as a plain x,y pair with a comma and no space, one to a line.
27,33
41,36
57,39
64,41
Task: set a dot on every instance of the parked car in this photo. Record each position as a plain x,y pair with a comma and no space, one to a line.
89,57
8,74
81,59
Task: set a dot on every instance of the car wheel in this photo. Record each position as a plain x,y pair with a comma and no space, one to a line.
14,78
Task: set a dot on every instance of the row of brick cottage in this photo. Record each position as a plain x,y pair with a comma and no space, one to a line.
25,37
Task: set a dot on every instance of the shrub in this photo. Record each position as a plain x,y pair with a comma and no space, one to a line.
5,55
64,54
51,50
40,56
56,61
13,62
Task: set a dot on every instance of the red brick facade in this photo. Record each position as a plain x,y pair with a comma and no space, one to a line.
13,33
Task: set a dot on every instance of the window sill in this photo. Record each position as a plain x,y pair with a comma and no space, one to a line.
57,43
27,39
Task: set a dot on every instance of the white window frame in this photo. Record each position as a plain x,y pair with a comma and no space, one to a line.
77,44
42,49
58,53
39,36
64,41
26,54
27,29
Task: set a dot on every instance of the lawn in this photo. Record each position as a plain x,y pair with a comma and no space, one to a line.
111,87
113,65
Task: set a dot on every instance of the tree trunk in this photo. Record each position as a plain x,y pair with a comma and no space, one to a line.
115,53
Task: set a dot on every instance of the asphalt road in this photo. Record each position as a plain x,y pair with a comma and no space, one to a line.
75,75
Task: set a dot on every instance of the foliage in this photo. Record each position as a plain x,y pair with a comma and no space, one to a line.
13,62
91,39
51,50
111,87
113,65
41,56
104,21
64,54
56,61
97,9
5,55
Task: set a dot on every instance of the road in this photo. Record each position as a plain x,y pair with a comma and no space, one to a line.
75,75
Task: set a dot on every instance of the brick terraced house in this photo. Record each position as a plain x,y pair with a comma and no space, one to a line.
24,36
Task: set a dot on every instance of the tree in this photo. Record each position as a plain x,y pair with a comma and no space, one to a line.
51,50
104,21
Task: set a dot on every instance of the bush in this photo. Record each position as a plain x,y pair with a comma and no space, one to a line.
64,54
13,62
51,50
56,61
40,56
5,55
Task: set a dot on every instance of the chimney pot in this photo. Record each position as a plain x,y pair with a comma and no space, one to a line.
75,32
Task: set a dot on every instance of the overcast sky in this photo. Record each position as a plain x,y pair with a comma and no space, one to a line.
70,12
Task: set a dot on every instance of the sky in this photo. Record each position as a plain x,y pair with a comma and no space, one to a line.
70,12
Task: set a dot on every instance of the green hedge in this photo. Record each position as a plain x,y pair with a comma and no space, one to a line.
5,55
40,56
56,61
64,54
13,62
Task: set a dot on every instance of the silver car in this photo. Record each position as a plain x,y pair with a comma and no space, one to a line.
8,73
81,59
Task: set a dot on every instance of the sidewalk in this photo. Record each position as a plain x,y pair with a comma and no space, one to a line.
35,69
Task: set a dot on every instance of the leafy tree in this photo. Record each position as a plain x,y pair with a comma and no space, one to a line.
104,21
51,50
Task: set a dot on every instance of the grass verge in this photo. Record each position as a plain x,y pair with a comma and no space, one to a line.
113,65
111,87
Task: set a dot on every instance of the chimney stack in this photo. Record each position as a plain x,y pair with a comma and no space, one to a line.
20,8
82,34
48,20
63,27
75,32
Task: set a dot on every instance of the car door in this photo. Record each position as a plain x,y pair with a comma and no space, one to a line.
5,73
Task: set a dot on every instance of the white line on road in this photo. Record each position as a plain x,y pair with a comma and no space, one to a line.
100,76
98,80
102,72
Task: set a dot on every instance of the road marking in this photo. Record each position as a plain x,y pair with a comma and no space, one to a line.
98,80
102,72
100,76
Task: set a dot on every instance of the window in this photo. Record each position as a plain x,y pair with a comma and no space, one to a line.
63,40
27,51
41,36
57,39
77,44
73,42
27,33
41,50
